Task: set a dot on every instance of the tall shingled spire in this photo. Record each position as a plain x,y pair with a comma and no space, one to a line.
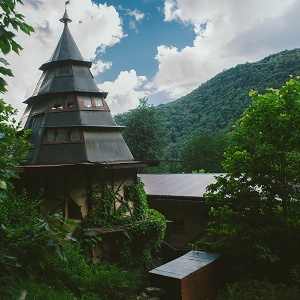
66,48
68,114
76,143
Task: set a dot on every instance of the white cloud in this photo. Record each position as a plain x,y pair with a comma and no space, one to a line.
237,31
136,14
100,66
94,28
125,91
137,18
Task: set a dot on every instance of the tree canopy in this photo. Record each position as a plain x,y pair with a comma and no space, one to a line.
216,104
205,152
13,145
144,133
256,205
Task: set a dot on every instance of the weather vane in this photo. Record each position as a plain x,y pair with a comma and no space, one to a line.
67,2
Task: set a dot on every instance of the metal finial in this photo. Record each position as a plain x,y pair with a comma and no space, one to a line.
65,19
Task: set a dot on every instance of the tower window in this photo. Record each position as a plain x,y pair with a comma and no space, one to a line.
63,135
70,101
61,103
98,101
87,101
57,104
50,135
91,102
64,71
75,135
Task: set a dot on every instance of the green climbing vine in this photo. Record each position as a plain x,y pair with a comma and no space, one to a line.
144,227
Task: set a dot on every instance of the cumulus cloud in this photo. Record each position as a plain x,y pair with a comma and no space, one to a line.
100,66
135,16
125,91
226,33
94,28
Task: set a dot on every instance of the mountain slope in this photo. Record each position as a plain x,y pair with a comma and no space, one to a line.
217,104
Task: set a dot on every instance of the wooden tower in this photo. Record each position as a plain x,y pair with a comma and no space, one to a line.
76,143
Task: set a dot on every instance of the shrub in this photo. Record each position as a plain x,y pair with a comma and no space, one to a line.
254,289
86,280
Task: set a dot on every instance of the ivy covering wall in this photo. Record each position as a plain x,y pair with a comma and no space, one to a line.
141,229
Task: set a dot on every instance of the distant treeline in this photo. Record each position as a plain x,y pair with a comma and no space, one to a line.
215,105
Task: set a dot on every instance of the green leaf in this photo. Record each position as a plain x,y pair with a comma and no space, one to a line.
49,228
4,61
6,71
3,185
15,47
71,237
51,242
59,250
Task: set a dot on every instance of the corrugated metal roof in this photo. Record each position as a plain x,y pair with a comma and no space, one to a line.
177,185
185,265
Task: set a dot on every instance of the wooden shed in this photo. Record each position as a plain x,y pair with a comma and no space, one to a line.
193,276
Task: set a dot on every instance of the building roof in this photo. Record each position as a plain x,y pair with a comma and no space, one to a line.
66,48
185,265
177,185
68,116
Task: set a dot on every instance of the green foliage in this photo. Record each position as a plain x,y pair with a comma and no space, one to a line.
13,146
144,132
11,22
216,104
146,238
24,235
254,289
144,227
205,152
43,291
86,281
255,214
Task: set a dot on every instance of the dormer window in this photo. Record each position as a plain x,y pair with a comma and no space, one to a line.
63,71
91,102
75,135
57,103
50,136
61,103
98,102
87,101
70,101
63,135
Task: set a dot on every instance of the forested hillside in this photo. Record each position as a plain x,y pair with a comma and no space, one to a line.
217,104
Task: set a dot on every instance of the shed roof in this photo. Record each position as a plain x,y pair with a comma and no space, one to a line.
177,185
185,265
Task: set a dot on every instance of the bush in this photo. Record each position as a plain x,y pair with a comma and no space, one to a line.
85,280
254,289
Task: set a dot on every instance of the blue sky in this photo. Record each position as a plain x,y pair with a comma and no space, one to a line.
159,49
140,46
